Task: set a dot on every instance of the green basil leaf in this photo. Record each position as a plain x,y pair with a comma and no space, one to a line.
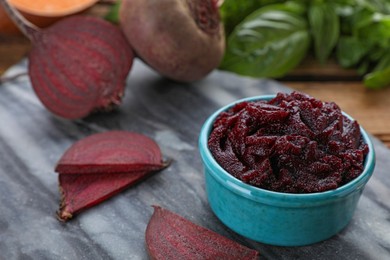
382,6
378,79
384,61
325,28
350,50
363,67
377,31
268,43
354,16
233,11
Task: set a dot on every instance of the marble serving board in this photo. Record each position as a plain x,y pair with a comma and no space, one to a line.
32,140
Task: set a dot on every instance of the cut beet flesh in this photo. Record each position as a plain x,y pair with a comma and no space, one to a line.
111,152
101,165
79,65
81,191
170,236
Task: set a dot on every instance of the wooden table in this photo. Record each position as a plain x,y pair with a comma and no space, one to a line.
329,83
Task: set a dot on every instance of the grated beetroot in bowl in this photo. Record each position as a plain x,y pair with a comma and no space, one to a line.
293,143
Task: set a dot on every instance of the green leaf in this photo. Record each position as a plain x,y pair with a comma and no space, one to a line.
378,79
113,14
382,6
351,50
377,31
325,28
234,11
376,54
268,43
363,67
384,61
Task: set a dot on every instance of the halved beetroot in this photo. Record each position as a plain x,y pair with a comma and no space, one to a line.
78,65
170,236
101,165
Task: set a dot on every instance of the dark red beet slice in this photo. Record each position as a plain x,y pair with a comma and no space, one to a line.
111,152
81,191
78,65
170,236
101,165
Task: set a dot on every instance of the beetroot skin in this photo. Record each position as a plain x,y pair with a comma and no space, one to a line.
101,165
181,39
170,236
79,65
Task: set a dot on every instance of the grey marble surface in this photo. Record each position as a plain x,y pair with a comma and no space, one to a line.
32,140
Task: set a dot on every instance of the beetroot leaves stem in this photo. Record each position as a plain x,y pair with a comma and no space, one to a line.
25,26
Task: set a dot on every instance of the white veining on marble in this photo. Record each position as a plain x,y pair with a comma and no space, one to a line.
381,191
18,91
25,146
103,229
17,86
19,68
170,139
371,226
220,96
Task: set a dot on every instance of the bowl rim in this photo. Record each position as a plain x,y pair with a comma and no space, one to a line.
272,197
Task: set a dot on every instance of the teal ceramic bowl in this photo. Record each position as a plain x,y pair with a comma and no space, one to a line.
276,218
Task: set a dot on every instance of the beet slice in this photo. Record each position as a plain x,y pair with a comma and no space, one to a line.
170,236
78,65
111,152
80,191
102,165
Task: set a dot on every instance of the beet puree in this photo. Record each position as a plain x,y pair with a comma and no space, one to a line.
293,143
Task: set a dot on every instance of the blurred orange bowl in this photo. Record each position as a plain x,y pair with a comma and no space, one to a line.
42,13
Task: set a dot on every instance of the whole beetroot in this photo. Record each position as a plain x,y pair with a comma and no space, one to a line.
181,39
